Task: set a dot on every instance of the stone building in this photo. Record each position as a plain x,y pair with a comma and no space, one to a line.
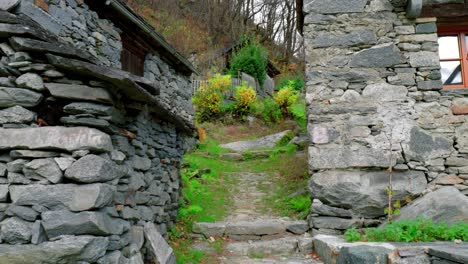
95,116
387,87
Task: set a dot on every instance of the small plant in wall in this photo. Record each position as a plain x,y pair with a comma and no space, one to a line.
393,207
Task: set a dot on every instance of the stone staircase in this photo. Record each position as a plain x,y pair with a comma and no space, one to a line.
251,233
267,241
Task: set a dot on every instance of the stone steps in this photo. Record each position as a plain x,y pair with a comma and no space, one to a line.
284,246
251,230
278,260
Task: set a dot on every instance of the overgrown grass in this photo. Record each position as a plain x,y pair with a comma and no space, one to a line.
418,230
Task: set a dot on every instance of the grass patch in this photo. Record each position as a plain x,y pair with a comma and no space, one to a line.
419,230
257,255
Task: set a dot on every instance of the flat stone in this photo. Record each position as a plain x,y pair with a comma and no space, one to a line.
363,192
40,169
92,168
3,192
384,55
23,212
334,6
345,157
327,39
456,161
209,229
68,249
255,228
85,121
92,108
159,249
264,142
16,178
57,223
449,180
426,28
59,138
22,97
424,59
297,227
64,196
456,253
363,254
30,81
422,146
26,44
79,92
281,246
35,154
385,92
16,231
16,115
53,74
446,204
3,170
16,165
329,222
323,209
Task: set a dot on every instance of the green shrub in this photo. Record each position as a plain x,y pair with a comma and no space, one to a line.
245,96
298,112
418,230
208,99
285,98
297,83
270,111
251,59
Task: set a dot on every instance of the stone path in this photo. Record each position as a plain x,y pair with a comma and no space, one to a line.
253,233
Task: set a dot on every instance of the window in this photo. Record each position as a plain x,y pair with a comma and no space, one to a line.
133,56
453,54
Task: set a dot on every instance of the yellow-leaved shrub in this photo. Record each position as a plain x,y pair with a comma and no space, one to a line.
245,98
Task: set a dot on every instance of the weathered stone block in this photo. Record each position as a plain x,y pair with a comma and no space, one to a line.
385,92
16,115
57,223
64,196
364,192
43,169
68,249
3,192
380,56
327,39
160,251
460,106
346,157
363,254
79,92
424,59
63,138
92,168
23,97
421,146
446,204
334,6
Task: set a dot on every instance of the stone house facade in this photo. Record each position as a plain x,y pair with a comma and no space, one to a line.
387,87
93,127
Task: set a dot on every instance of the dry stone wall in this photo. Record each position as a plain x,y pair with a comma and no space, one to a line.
89,155
375,101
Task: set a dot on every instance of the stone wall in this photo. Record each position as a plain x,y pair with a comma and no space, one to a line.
375,101
76,24
89,155
175,88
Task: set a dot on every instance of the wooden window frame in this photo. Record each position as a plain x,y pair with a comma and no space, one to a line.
461,32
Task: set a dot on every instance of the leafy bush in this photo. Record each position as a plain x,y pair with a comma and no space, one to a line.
298,112
419,230
285,98
251,59
297,83
270,111
208,98
245,97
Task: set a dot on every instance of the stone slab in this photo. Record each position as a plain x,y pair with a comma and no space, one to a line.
63,196
159,249
22,97
68,249
55,138
79,92
334,6
263,142
456,253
